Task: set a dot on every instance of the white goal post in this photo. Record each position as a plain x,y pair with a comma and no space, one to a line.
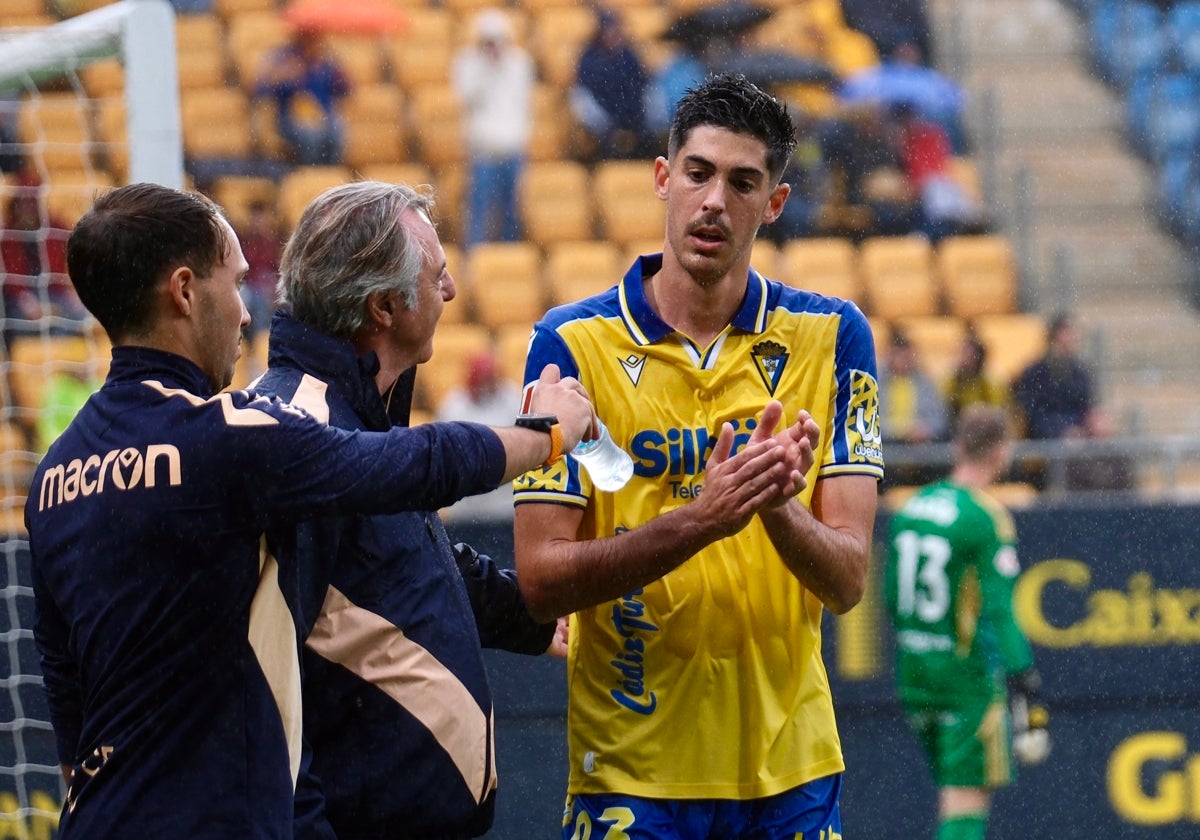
141,33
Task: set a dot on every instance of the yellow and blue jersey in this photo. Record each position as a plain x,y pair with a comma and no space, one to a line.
709,682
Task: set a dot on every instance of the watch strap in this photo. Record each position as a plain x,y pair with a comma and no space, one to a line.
556,445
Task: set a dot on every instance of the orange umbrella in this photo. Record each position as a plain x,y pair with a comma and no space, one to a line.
351,17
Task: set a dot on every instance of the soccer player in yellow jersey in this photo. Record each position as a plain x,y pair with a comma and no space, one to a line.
699,706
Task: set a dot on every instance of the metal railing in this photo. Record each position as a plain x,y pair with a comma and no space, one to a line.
1157,467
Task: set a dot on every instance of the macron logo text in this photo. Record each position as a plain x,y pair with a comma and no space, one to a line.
124,469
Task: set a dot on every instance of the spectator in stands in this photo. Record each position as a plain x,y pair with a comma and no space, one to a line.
860,148
494,78
262,245
683,70
38,296
808,175
307,85
911,400
889,23
1057,399
926,154
490,398
608,97
903,78
1056,394
969,383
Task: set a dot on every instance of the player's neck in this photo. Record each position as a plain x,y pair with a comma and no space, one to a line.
973,475
699,311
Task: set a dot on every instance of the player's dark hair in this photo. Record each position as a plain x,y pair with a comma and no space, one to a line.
134,237
981,428
731,101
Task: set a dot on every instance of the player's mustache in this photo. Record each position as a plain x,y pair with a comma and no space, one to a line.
710,221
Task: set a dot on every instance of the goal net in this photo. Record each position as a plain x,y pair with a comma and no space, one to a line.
86,104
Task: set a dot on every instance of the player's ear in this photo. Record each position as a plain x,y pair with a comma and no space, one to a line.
181,289
775,203
662,172
381,308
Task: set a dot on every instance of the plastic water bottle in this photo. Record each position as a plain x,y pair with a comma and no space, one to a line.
608,465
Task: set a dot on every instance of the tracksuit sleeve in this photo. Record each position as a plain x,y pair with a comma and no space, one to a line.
500,612
60,675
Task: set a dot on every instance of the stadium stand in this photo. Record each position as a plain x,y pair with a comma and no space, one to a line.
575,270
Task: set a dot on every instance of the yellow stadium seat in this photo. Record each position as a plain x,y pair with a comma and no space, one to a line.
552,124
200,50
848,51
359,56
453,345
898,277
216,123
60,126
555,201
103,79
645,22
575,270
978,274
450,185
67,200
937,339
764,258
410,173
252,35
14,9
35,359
236,194
112,134
640,247
559,35
505,283
436,116
512,346
1013,342
624,194
426,23
372,141
417,63
826,265
232,9
302,185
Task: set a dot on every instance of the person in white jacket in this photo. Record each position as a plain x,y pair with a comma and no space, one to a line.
494,78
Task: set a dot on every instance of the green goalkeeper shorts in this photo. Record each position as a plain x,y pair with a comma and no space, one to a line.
968,746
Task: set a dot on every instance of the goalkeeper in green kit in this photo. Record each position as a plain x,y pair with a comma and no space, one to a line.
964,670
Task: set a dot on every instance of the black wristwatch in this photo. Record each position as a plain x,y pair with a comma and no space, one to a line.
547,423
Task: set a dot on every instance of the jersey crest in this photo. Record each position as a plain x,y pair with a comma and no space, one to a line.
770,358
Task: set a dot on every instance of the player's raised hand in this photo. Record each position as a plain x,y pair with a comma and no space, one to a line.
800,440
736,486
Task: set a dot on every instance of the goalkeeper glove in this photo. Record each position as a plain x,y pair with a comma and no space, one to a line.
1031,740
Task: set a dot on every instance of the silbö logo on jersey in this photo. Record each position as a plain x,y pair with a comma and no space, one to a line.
124,469
682,451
